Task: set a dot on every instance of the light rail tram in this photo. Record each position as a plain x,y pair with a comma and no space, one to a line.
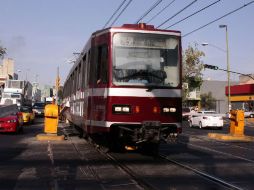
126,86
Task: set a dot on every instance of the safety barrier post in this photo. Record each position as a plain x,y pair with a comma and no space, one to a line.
50,124
236,131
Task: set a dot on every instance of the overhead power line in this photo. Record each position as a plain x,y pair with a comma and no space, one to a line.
125,7
194,13
114,13
177,13
149,10
231,12
160,11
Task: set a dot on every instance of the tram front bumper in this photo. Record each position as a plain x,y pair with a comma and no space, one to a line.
149,131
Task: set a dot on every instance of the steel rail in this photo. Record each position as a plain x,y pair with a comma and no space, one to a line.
218,142
216,151
146,185
97,178
141,183
206,176
202,174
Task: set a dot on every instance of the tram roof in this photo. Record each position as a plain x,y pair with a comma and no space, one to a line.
141,27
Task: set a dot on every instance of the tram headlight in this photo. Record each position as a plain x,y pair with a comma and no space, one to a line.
126,109
168,110
118,109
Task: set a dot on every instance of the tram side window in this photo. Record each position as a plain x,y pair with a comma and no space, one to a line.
102,66
67,89
88,68
75,80
79,77
72,86
84,73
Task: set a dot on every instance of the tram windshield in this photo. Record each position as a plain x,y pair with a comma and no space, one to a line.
146,60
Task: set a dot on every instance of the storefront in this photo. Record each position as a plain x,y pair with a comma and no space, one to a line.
242,96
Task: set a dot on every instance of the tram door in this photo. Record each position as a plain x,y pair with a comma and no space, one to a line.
85,86
99,95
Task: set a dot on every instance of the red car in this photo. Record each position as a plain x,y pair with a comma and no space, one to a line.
11,123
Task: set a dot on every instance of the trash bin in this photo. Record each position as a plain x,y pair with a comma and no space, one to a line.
51,118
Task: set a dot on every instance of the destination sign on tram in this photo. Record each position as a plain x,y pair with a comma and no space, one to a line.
130,41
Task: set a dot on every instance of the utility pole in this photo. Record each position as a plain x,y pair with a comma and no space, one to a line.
228,67
57,85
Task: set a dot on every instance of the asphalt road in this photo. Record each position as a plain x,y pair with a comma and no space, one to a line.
26,163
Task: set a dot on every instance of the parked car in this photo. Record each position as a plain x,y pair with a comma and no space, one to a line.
38,108
187,112
206,119
27,113
249,114
12,123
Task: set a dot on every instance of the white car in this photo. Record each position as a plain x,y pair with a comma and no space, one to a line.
206,119
249,114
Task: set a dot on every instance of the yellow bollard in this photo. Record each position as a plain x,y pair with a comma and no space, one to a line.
237,122
51,124
236,129
51,118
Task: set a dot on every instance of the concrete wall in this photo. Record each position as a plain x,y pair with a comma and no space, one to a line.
217,88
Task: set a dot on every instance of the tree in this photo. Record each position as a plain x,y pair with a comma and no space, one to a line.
2,51
192,68
207,101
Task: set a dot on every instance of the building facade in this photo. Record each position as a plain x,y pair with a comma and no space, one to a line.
242,94
7,71
36,93
47,91
217,89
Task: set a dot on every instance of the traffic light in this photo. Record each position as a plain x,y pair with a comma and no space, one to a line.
211,67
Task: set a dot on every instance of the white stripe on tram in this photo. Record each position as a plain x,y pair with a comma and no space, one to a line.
135,92
108,123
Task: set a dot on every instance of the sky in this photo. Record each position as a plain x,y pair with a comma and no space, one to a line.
43,35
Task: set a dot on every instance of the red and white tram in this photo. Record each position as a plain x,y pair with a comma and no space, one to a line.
126,86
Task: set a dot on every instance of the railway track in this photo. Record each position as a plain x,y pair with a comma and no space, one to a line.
193,135
236,147
203,174
141,180
132,183
147,185
233,163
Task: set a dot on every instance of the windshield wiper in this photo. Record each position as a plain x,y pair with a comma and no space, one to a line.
151,87
161,75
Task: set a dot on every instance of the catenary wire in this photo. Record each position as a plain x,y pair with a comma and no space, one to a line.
177,13
114,13
200,10
229,13
160,11
125,7
149,10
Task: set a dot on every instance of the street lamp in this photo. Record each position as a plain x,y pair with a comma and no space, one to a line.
209,44
228,69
